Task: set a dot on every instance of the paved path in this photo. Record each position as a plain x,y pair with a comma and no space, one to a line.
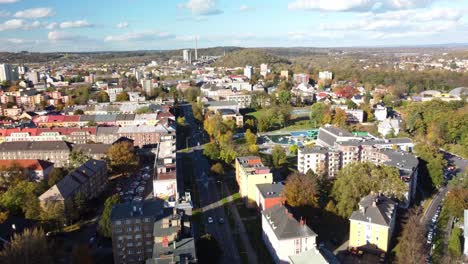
251,255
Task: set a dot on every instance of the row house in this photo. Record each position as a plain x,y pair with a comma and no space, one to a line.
89,179
56,152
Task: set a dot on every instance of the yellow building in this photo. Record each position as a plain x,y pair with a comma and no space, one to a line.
371,226
284,74
250,171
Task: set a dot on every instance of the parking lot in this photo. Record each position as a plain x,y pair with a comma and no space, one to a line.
137,186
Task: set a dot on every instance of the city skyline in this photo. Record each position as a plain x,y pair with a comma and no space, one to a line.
148,25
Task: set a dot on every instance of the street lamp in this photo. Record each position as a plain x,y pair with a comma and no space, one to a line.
186,141
221,183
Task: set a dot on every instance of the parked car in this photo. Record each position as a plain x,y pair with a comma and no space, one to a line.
137,199
210,220
221,220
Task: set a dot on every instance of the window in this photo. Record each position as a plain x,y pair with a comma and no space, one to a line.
128,221
147,220
297,246
118,222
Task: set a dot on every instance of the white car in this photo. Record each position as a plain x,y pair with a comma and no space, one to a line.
210,220
140,189
138,199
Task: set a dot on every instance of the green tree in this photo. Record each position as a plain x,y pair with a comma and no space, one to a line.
102,97
284,96
358,179
21,198
300,191
454,244
293,149
211,151
30,246
77,158
143,110
410,250
351,104
217,168
55,176
105,221
78,112
122,157
433,163
197,110
340,118
278,156
320,114
54,212
122,97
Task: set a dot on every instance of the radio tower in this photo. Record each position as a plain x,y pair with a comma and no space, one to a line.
196,48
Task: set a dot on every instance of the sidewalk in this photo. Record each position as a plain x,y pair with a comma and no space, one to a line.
251,255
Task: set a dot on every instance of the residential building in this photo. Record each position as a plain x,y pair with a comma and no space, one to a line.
372,225
33,76
264,69
6,72
248,71
250,171
89,179
380,112
389,126
301,78
355,115
147,85
56,152
36,170
325,75
285,236
284,74
187,56
268,195
243,100
328,135
229,114
113,92
148,232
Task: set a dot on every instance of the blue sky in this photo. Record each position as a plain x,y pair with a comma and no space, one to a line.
94,25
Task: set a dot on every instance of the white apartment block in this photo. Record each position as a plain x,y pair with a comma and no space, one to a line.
325,75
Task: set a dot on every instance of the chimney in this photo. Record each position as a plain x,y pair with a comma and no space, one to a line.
290,216
301,221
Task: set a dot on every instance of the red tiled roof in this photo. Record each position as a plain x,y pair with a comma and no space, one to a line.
32,164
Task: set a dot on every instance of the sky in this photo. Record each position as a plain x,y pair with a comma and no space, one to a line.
105,25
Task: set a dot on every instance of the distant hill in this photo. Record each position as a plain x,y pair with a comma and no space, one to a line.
253,57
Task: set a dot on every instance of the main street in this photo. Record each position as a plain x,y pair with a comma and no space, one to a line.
208,194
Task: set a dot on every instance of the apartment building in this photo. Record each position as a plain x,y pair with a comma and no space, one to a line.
250,171
372,225
148,232
36,170
52,151
286,237
269,195
90,179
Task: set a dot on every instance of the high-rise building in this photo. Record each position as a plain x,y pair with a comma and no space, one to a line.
149,232
325,75
264,69
33,76
248,71
6,72
187,56
301,78
147,85
250,171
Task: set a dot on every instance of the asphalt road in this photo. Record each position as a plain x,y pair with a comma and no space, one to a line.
209,193
461,165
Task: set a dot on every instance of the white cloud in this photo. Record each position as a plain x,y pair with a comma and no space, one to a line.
358,5
8,1
75,24
202,7
140,36
20,24
56,36
12,24
51,26
122,24
35,13
244,8
15,41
